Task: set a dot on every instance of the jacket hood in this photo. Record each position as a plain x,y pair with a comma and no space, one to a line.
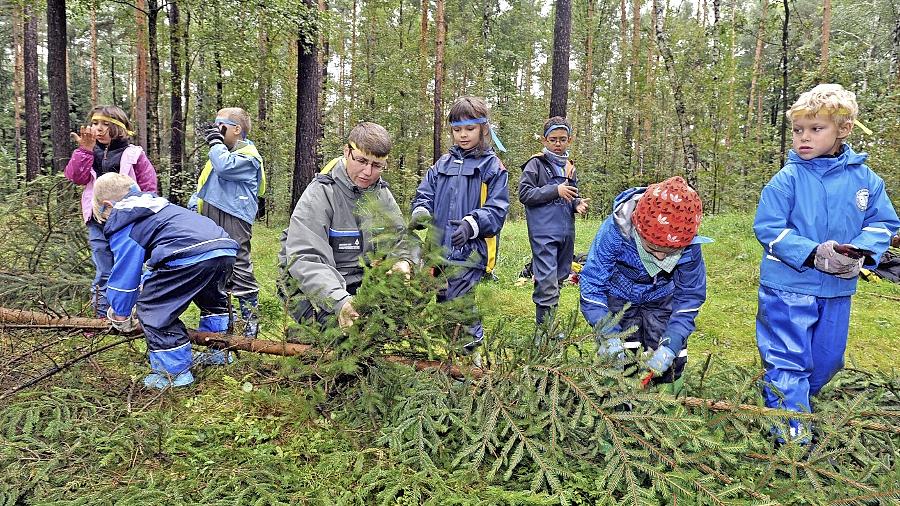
846,158
134,206
623,206
470,153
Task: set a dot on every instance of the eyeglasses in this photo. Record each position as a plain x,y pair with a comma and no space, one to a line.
365,161
557,140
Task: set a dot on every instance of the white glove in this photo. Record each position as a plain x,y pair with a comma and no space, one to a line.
347,315
402,267
126,326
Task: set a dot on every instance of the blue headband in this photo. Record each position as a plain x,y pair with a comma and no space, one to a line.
481,121
557,127
476,121
225,121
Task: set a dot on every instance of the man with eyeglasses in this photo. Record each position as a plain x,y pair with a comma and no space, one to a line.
332,227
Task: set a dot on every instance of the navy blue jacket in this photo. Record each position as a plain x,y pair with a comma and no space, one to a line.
143,228
548,215
614,268
462,185
812,201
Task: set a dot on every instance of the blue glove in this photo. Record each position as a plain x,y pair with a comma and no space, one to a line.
661,360
612,347
461,234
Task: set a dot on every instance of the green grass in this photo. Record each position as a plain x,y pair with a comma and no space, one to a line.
725,326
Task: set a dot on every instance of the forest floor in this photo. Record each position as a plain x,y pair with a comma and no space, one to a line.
242,434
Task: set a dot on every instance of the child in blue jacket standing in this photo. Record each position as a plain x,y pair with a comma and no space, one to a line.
548,189
647,253
465,195
189,258
820,218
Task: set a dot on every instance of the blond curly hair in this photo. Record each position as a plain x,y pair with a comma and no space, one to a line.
826,99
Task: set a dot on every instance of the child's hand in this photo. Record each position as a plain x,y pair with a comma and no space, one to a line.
567,192
582,206
86,140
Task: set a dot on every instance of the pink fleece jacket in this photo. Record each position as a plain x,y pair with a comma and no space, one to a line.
134,164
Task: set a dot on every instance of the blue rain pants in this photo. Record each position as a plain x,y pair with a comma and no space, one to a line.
651,319
102,256
167,293
801,340
461,283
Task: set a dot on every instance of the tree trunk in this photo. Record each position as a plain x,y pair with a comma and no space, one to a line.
220,83
95,77
636,91
153,139
322,57
140,102
559,81
307,136
826,39
757,59
112,79
32,95
691,155
56,81
18,87
176,142
423,84
587,90
439,40
784,79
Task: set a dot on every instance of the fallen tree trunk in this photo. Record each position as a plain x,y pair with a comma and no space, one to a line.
20,319
16,318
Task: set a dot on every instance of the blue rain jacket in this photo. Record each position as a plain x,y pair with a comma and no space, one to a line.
463,185
809,202
232,180
548,215
614,268
143,228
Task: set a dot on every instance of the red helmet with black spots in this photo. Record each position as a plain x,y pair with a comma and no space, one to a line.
668,214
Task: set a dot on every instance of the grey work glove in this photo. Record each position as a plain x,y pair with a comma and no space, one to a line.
420,218
125,326
830,261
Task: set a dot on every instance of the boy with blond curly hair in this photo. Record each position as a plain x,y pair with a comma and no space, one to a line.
820,219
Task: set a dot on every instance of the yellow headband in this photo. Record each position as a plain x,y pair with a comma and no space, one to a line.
862,127
100,117
370,155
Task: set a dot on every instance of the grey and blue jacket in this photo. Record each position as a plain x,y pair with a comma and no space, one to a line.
809,202
145,229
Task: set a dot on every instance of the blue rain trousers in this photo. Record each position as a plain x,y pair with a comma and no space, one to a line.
801,340
102,256
458,285
167,293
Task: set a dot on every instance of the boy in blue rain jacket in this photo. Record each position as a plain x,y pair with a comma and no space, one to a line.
465,195
820,219
189,258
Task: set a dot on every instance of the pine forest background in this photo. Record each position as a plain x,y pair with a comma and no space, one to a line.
654,88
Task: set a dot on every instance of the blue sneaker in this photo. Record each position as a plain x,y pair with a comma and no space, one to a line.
213,357
162,381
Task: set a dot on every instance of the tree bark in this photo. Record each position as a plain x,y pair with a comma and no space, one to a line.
439,41
636,91
56,81
307,135
559,81
691,154
587,90
140,102
32,95
153,138
95,76
176,142
220,83
826,39
784,78
112,79
757,59
18,86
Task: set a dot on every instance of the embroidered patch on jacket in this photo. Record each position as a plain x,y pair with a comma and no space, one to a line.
862,199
